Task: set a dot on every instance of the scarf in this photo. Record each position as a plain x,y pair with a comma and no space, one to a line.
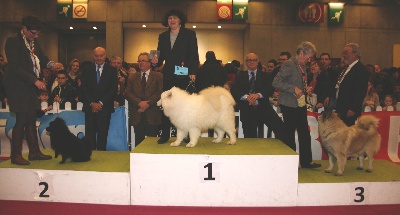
30,45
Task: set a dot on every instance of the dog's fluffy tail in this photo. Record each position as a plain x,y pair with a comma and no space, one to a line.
216,96
368,123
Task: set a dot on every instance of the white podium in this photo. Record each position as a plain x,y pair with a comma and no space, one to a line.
103,180
254,172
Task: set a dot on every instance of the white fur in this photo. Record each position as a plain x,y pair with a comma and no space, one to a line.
211,108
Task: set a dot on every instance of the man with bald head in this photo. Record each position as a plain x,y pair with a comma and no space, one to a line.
251,91
99,86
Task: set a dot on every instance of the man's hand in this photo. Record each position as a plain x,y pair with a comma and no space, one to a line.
326,102
252,99
350,113
318,106
143,106
96,107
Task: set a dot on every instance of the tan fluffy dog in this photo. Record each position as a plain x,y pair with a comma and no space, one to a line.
341,141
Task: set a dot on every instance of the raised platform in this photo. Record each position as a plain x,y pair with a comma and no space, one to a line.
102,180
214,174
354,187
252,173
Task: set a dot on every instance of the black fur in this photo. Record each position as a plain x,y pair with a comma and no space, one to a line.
66,143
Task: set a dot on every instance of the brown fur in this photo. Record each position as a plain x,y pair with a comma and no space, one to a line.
341,141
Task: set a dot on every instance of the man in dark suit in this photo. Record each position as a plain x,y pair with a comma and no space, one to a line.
25,58
143,90
252,100
351,86
178,48
99,86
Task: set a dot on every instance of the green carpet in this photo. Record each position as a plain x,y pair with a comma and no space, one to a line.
101,161
112,161
256,146
384,171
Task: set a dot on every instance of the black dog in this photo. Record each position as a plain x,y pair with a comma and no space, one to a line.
67,144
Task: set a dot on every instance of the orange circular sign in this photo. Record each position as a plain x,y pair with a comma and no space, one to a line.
224,12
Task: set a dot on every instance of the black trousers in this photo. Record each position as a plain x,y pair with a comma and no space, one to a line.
96,129
263,114
296,119
349,121
144,129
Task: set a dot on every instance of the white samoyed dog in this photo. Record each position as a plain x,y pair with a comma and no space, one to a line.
194,113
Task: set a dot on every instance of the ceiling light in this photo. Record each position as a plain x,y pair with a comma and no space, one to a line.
71,28
144,26
336,4
219,26
94,27
194,26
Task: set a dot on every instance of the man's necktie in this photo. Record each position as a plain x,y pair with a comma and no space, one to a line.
98,73
143,84
252,83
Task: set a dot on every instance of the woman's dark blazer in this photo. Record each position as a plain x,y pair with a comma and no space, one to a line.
185,52
22,93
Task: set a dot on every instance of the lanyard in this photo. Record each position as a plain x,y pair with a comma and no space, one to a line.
304,76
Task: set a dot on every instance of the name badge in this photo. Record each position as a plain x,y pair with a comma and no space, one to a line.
181,70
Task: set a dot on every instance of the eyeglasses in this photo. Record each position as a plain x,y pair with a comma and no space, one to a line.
34,32
143,61
61,78
346,52
252,60
325,59
270,67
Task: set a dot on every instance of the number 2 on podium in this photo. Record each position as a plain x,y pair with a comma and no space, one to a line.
46,187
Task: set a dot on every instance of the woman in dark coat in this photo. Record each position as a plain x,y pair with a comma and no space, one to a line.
25,58
178,48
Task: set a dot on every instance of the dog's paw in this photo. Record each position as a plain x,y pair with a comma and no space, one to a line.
190,145
230,143
338,174
327,170
360,168
175,143
368,170
216,141
61,162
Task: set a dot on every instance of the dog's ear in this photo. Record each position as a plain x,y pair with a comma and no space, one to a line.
168,94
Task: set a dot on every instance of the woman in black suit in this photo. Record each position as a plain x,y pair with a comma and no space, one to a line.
178,48
25,58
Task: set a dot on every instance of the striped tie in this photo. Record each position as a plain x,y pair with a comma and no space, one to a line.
98,73
252,83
